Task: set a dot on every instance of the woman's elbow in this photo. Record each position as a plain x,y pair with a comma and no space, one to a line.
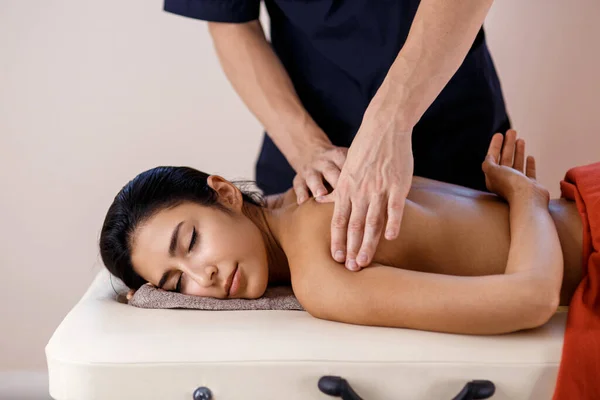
542,302
321,306
317,312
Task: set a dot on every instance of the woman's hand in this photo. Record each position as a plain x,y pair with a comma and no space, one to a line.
322,165
508,173
130,294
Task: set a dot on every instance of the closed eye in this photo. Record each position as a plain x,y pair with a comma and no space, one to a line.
193,240
178,286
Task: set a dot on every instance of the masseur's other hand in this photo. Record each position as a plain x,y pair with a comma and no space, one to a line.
322,164
508,173
370,192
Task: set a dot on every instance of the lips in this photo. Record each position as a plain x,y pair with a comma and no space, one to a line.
229,281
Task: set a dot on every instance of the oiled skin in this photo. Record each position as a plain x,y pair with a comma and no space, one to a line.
448,229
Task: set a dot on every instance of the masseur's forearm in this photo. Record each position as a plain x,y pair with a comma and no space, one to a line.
535,252
441,34
260,79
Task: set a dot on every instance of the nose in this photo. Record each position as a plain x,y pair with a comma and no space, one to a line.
205,276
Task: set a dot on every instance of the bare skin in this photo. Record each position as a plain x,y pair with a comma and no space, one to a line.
465,261
451,230
513,250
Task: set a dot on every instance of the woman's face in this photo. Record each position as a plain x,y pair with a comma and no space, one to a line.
202,251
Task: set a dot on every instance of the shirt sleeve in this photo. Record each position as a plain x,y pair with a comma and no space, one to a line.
235,11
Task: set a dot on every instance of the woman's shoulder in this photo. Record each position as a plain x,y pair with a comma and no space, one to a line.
280,200
311,220
308,233
307,248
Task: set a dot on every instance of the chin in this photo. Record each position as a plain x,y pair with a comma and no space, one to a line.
254,290
255,293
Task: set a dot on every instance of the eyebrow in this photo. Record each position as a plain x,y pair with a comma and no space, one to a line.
172,246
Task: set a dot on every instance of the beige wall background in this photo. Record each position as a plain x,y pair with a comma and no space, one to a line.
94,92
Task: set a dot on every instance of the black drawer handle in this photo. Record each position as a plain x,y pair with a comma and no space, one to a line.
337,387
476,390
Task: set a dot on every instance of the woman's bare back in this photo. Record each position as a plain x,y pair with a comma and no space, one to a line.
452,230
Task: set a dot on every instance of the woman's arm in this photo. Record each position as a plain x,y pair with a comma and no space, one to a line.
526,296
393,297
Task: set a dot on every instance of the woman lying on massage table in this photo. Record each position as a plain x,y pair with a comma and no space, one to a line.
465,261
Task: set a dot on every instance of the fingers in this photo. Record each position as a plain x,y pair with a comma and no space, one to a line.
331,173
330,198
489,165
356,226
519,162
311,182
530,170
324,166
339,228
314,181
495,147
130,294
338,156
300,188
364,228
374,222
508,150
395,210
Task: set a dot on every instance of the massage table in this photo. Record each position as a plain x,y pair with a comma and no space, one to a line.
105,349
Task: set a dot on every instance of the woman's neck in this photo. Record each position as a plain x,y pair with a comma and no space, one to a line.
270,223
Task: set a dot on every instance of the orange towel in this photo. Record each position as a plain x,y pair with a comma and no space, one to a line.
579,372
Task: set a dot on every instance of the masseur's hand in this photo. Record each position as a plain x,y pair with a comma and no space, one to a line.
322,164
371,191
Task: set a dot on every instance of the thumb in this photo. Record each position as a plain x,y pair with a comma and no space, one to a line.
489,164
326,199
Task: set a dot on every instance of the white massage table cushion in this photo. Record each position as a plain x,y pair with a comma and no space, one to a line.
108,350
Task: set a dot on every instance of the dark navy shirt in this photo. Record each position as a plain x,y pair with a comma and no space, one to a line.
337,53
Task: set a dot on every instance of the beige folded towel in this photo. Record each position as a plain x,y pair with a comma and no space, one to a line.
275,298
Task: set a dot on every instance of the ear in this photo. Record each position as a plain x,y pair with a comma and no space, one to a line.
229,195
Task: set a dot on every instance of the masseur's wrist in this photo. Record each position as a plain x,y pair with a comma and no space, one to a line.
409,88
390,111
384,120
302,142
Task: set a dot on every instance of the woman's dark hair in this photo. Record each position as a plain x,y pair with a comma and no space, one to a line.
148,193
